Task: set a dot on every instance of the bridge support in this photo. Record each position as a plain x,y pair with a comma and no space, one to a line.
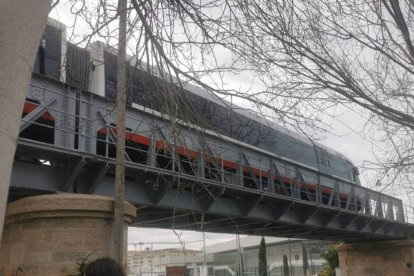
390,258
51,234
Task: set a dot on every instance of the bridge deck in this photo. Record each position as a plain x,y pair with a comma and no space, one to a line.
192,180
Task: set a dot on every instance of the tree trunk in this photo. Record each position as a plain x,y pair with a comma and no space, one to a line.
21,27
262,258
305,263
120,137
285,266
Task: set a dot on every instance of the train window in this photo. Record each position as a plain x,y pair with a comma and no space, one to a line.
355,173
323,157
112,83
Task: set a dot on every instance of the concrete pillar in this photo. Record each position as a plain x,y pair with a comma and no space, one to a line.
50,234
390,258
21,27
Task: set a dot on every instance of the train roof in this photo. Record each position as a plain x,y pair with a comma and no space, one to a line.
254,116
223,102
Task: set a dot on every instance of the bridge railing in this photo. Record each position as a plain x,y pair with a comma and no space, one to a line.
66,118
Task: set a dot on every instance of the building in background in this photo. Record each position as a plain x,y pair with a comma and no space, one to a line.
154,262
228,258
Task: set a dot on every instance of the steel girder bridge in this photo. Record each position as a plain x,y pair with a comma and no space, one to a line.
196,180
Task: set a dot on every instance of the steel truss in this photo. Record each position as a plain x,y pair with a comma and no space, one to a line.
196,180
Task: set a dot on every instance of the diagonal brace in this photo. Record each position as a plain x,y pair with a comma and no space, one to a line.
249,167
99,174
34,115
111,133
75,166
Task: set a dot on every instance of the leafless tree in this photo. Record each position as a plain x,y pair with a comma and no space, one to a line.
321,54
182,42
308,57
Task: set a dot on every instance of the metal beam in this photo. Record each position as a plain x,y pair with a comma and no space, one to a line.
34,115
378,207
152,155
334,198
247,203
279,178
301,180
157,188
97,174
261,209
374,225
347,220
280,208
201,169
175,157
249,167
390,211
214,163
110,133
349,199
327,217
271,179
365,204
207,194
361,222
306,213
74,168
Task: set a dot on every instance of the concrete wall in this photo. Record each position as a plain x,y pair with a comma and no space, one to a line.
50,234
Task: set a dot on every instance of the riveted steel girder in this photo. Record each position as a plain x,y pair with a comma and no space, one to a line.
173,200
200,181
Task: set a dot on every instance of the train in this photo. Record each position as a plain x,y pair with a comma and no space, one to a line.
94,70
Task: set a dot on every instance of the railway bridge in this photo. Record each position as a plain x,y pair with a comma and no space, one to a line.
178,176
183,177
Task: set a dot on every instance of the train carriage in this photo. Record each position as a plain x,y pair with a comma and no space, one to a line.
301,167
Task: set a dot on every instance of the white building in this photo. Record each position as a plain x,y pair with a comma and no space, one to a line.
147,262
227,256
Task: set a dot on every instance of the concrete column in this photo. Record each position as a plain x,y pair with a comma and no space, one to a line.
21,27
386,258
50,234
